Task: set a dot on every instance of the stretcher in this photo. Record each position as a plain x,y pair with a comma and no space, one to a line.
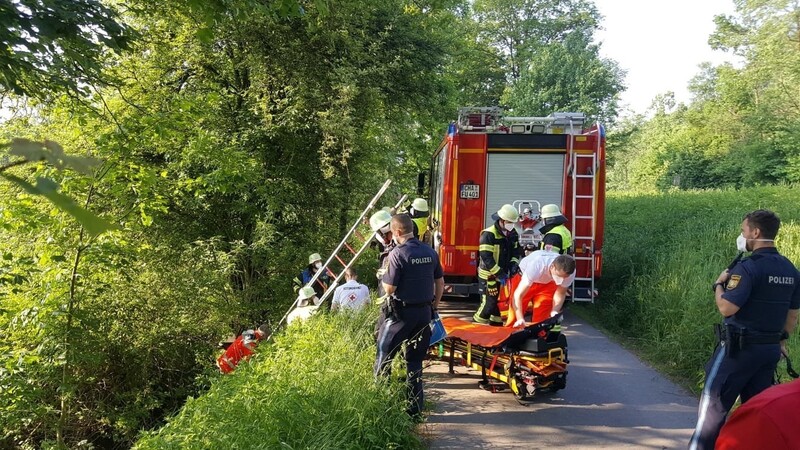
526,360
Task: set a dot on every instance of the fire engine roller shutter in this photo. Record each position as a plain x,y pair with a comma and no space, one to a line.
523,176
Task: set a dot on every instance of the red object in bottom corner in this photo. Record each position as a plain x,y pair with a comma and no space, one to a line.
241,348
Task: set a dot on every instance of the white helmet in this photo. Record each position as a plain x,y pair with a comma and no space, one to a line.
379,220
508,213
312,258
420,204
550,210
305,294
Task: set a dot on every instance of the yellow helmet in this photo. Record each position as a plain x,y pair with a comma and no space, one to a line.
379,220
420,204
550,210
305,293
508,213
314,257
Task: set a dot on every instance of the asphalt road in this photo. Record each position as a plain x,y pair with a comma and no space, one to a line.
612,400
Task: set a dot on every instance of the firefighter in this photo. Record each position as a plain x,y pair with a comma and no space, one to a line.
307,304
759,300
419,215
415,285
379,223
556,236
314,264
242,348
546,277
499,254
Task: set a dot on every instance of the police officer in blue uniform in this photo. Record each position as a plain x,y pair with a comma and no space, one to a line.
414,284
759,299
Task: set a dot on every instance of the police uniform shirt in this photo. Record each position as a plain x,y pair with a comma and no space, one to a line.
764,287
412,268
536,268
352,295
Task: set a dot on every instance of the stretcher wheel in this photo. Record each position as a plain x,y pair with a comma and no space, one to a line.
523,393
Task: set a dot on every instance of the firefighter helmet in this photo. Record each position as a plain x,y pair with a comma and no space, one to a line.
508,213
379,220
314,257
305,294
420,204
550,210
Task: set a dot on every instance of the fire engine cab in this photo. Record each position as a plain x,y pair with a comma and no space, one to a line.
487,160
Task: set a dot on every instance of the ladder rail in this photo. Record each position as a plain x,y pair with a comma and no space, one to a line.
335,253
593,218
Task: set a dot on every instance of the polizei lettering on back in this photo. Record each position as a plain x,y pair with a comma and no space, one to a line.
426,260
780,280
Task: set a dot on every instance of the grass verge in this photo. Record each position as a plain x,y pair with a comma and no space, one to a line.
310,388
661,254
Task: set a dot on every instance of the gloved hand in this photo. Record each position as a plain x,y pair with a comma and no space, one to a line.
513,268
501,280
519,323
492,289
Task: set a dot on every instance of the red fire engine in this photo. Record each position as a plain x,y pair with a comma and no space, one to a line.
488,159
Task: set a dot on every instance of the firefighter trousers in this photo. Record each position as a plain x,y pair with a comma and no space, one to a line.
409,325
488,311
746,373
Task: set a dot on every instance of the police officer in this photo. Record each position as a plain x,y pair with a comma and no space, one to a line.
759,299
556,236
499,254
415,285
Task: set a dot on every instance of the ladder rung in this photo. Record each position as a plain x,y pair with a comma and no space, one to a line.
584,196
584,217
583,258
582,237
581,299
583,279
583,176
581,155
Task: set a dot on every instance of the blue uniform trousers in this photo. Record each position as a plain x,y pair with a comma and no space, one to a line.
744,374
409,324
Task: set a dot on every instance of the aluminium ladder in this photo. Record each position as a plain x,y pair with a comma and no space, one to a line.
584,245
364,240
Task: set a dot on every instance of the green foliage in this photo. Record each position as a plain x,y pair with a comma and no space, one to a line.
567,75
311,388
51,46
661,254
743,127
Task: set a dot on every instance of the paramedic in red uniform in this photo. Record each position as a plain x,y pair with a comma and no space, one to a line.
546,276
759,299
241,348
415,285
499,254
769,420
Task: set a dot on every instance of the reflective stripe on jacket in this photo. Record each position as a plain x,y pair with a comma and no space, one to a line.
497,251
566,239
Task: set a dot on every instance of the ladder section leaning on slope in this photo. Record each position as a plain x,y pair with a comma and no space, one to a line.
344,244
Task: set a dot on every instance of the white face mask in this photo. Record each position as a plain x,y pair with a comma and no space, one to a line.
557,279
318,265
509,226
741,242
